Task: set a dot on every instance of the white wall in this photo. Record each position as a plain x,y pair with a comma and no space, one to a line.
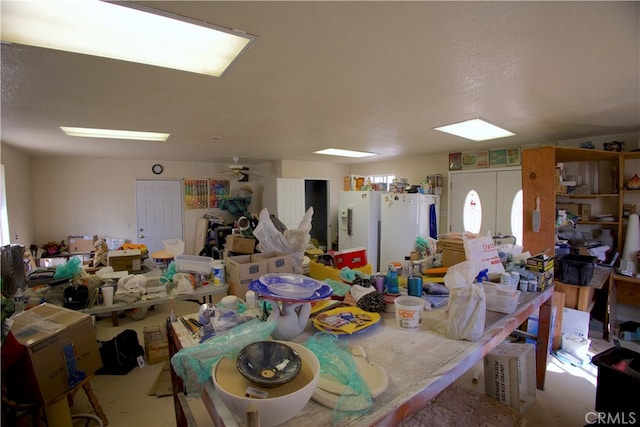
80,196
20,208
415,169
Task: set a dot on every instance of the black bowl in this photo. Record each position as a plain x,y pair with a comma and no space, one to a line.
268,363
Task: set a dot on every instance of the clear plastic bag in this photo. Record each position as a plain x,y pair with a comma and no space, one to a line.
292,242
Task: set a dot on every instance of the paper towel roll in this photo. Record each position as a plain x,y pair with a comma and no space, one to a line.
631,241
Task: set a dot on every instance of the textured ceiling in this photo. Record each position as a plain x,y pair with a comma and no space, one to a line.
374,76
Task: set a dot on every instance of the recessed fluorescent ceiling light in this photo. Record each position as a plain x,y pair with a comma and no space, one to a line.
476,130
125,32
114,134
344,153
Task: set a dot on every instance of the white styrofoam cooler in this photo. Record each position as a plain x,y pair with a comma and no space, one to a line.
193,264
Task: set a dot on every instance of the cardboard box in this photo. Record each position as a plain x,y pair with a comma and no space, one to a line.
452,251
276,262
510,376
352,258
240,244
156,344
585,211
125,260
56,338
242,270
81,244
543,268
540,263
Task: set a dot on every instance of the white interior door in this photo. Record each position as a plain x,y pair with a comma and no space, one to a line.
509,204
159,212
493,196
481,203
291,201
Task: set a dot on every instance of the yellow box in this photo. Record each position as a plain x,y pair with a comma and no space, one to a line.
321,272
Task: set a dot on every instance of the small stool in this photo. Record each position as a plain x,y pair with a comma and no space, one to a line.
93,400
162,257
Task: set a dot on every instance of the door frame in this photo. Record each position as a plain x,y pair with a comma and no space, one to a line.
328,203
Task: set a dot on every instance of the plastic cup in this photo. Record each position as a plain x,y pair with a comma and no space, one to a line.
409,312
107,295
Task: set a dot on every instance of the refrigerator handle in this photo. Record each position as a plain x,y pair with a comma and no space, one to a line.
350,221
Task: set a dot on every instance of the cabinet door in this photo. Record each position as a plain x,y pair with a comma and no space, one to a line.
538,180
483,202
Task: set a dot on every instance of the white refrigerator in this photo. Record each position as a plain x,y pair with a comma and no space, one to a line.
403,217
359,223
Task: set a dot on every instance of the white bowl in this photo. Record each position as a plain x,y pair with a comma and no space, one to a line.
288,399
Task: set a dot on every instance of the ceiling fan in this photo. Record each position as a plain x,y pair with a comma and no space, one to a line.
239,172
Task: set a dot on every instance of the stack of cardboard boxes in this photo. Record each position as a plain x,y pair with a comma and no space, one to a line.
244,269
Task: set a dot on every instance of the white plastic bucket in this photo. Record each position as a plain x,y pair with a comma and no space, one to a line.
409,312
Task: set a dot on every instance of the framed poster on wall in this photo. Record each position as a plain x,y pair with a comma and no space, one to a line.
455,161
483,159
513,156
497,158
469,160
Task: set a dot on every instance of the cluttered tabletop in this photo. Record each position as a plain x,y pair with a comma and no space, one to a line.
405,355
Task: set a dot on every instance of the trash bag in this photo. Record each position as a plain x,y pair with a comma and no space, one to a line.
12,269
467,302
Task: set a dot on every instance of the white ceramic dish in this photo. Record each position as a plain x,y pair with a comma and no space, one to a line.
288,399
258,287
330,389
290,285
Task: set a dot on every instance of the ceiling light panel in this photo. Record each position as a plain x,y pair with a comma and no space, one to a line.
476,130
344,153
114,134
125,32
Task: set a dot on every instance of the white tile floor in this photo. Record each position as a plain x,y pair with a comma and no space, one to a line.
568,397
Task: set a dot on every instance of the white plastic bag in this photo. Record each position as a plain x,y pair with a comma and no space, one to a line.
292,242
467,302
483,249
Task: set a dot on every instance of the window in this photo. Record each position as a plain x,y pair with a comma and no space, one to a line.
472,215
516,217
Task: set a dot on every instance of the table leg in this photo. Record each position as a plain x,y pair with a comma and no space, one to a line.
114,318
542,343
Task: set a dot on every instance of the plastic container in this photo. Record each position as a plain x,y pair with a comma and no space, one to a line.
576,345
501,298
575,269
408,311
194,264
391,281
616,391
174,246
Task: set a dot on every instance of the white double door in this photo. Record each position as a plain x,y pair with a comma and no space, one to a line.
486,202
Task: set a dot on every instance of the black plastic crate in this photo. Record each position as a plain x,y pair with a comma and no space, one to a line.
617,391
575,269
